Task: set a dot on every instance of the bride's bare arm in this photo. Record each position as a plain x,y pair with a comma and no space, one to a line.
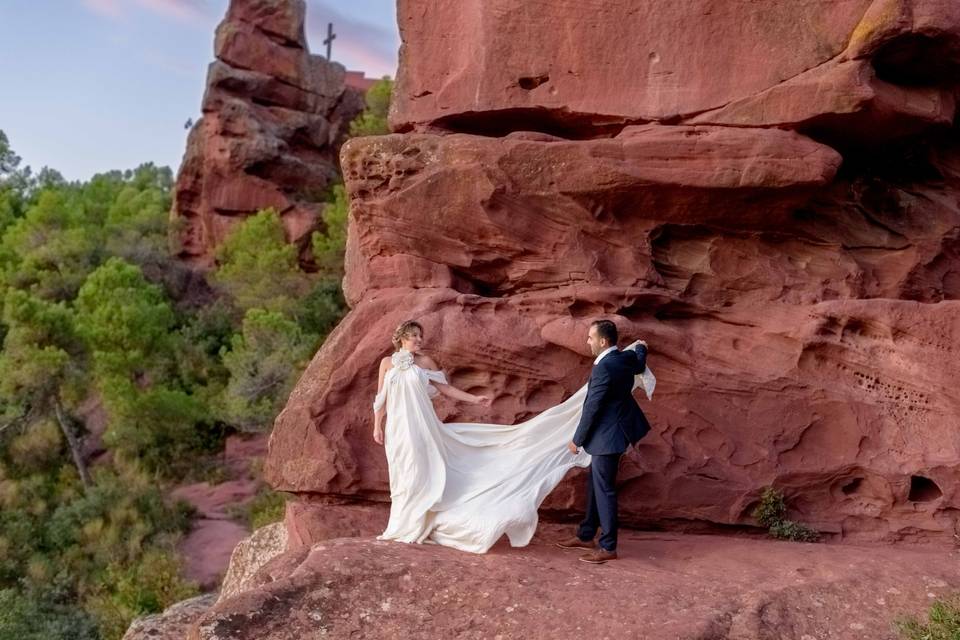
381,415
451,391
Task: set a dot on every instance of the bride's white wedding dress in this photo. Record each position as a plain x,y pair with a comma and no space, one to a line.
464,485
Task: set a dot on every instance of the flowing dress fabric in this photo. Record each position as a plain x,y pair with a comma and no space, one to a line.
464,485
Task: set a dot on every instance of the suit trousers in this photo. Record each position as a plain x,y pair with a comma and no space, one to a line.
602,501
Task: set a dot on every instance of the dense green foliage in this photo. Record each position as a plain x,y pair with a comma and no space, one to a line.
116,383
86,547
90,325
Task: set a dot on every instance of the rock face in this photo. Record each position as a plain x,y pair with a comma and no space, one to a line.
249,555
854,68
798,283
587,207
664,586
174,623
274,117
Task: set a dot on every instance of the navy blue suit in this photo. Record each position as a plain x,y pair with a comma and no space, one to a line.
611,421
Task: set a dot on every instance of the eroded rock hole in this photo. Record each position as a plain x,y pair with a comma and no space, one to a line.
532,82
852,487
923,489
918,60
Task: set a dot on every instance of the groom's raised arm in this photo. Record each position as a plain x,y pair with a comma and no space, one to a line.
641,362
598,388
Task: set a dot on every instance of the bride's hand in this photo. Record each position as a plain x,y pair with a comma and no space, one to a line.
633,345
482,400
378,435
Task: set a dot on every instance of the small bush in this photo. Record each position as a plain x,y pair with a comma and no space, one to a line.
772,513
265,508
943,622
772,508
373,120
790,530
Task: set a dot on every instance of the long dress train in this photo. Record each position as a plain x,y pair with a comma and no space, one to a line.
464,485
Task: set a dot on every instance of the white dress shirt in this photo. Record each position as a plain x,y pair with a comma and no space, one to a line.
603,353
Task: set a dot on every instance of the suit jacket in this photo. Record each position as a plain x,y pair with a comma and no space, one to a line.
611,420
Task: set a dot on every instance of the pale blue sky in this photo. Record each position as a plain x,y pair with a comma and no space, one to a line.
94,85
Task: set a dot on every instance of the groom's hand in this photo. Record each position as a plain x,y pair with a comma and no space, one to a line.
574,449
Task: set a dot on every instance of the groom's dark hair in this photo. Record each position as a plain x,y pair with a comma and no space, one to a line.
607,330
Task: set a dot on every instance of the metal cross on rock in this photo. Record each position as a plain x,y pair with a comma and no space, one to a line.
329,41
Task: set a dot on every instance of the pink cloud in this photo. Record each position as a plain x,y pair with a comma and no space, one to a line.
359,45
191,11
185,10
109,8
357,57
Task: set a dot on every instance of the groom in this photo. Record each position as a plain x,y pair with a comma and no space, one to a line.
611,421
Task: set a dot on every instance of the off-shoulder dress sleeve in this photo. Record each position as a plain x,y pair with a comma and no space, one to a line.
428,376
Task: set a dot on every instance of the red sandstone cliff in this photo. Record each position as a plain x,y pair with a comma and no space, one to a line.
769,194
766,192
274,117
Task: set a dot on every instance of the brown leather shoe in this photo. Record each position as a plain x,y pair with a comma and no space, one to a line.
599,556
576,543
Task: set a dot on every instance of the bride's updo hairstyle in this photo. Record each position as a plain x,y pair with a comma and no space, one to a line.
405,329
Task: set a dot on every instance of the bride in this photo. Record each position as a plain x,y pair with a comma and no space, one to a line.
463,485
